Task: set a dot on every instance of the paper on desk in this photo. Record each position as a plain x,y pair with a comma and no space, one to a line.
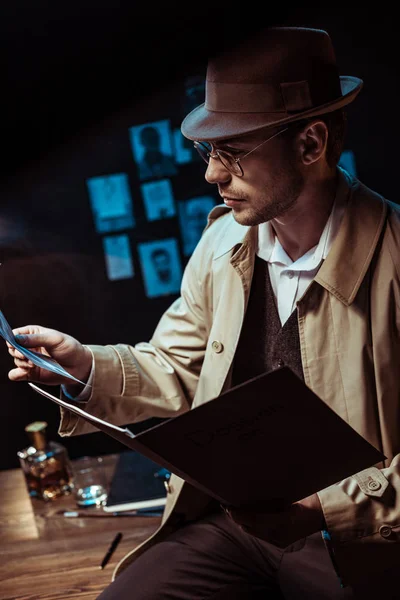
38,359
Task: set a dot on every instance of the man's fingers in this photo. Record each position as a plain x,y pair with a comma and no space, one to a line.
15,353
31,329
19,357
19,374
23,363
35,340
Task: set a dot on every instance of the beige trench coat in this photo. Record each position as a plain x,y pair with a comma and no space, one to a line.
349,324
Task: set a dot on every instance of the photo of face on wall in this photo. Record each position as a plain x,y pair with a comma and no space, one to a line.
193,96
195,92
158,200
193,215
118,257
111,202
161,267
153,150
185,152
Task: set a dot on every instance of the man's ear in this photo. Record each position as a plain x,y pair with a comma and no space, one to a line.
313,140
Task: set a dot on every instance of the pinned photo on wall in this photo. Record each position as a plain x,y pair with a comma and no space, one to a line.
152,148
185,152
193,215
161,267
118,257
194,93
348,162
158,200
111,202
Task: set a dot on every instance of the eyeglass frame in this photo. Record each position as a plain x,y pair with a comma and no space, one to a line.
216,153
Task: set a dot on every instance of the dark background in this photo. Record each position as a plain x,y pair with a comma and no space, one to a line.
75,77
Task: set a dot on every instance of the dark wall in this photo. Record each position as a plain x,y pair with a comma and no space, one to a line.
75,83
53,271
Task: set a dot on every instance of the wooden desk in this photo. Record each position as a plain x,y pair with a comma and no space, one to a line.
44,555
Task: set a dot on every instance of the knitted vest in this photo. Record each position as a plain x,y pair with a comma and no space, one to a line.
264,345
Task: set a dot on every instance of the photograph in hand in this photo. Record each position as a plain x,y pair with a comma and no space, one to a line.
38,359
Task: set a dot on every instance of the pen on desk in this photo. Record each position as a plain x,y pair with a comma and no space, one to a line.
103,515
111,549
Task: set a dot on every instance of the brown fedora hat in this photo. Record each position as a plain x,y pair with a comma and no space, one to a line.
280,76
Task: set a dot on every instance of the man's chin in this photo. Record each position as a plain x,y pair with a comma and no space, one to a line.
246,219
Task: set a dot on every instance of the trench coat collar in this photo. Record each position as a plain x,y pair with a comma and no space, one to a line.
233,233
344,268
351,253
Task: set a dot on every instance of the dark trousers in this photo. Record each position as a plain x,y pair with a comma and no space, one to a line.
213,559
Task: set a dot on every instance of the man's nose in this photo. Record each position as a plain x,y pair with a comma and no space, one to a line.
216,172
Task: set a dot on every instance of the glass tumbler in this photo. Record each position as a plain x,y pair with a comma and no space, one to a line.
89,481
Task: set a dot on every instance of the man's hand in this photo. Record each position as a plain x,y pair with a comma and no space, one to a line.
66,350
282,528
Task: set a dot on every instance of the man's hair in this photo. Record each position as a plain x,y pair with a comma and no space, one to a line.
336,123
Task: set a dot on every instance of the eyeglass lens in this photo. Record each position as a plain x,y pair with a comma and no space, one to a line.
205,149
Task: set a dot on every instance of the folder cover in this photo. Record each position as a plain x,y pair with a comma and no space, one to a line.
270,439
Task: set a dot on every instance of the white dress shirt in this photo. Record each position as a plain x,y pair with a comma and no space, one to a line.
290,279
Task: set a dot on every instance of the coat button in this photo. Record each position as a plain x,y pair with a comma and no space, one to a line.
385,531
373,485
217,346
280,362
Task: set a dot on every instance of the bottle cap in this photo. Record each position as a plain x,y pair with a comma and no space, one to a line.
36,433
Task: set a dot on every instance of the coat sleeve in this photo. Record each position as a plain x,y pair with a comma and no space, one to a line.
362,515
156,378
362,512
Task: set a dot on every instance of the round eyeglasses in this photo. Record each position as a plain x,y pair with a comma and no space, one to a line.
231,163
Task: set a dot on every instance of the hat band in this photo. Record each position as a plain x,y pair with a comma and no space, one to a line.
258,97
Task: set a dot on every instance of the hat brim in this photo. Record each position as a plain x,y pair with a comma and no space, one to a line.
202,124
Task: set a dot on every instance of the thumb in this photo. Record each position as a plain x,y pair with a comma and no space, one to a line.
35,340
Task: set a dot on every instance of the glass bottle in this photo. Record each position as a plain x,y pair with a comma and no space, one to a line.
45,464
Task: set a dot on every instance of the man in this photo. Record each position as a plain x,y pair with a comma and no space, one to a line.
300,267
